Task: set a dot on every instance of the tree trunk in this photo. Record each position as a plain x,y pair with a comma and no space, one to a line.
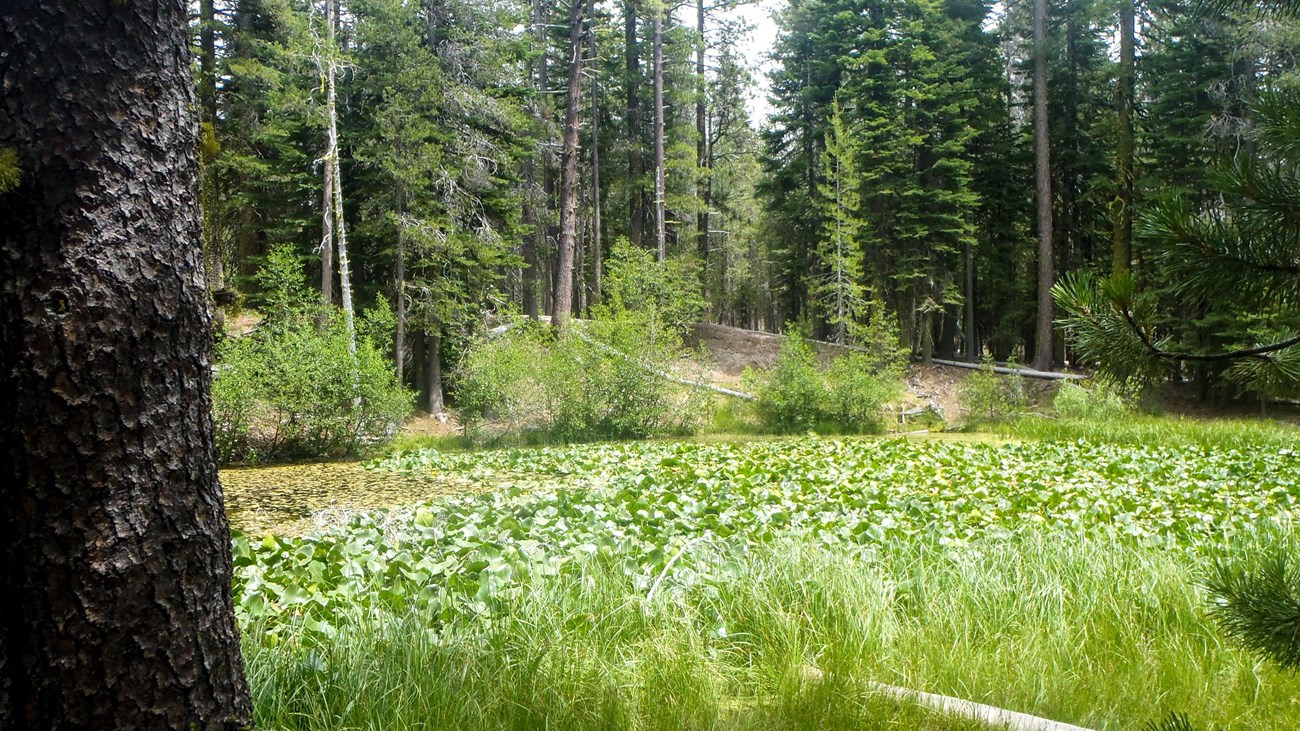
569,171
114,547
968,329
661,232
327,236
635,156
207,62
545,231
399,287
332,161
433,372
596,243
1122,240
1043,176
702,151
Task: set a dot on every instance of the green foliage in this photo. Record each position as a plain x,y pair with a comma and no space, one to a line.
1098,401
665,295
636,504
1235,257
789,636
10,173
604,379
1256,601
987,395
1138,429
792,395
293,388
846,393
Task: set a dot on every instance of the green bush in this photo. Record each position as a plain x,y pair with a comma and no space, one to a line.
666,294
604,379
1098,402
986,395
798,395
792,395
293,389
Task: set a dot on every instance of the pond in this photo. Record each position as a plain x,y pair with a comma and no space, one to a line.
297,498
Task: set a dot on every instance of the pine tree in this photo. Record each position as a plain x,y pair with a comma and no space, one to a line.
837,283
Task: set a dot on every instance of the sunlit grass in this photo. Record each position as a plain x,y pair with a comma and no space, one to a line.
1089,631
1150,430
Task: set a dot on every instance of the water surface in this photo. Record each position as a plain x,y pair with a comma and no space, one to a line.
297,498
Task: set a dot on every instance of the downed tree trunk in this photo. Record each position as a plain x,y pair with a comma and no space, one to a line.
1026,372
993,716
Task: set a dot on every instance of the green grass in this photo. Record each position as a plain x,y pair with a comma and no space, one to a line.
765,585
1093,632
1142,429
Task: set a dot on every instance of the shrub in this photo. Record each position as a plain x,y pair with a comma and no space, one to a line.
666,294
1098,402
797,395
986,395
792,395
292,388
602,380
858,391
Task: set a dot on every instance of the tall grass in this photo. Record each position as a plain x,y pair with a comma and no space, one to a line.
1090,631
1153,430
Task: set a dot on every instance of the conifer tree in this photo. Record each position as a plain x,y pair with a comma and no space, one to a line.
837,281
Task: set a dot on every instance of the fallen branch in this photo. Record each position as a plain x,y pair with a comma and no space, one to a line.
1026,372
992,716
988,715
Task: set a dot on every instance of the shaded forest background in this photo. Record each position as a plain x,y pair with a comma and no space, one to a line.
487,156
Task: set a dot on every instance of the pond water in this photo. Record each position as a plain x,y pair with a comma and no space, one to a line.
297,498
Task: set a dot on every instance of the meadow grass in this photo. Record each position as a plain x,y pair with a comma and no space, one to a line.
1151,430
1090,631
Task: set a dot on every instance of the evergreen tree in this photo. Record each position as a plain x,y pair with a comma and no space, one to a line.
837,284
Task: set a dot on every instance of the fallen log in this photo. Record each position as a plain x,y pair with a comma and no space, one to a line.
1026,372
992,716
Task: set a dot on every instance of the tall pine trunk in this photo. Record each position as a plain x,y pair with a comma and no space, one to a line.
661,230
433,372
114,547
399,286
1122,237
569,171
332,160
635,154
702,150
596,211
1043,179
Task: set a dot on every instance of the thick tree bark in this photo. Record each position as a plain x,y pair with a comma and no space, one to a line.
1043,176
546,233
114,547
569,171
635,155
1122,238
661,231
968,316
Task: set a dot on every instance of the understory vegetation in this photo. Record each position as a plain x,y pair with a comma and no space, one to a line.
302,384
768,584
